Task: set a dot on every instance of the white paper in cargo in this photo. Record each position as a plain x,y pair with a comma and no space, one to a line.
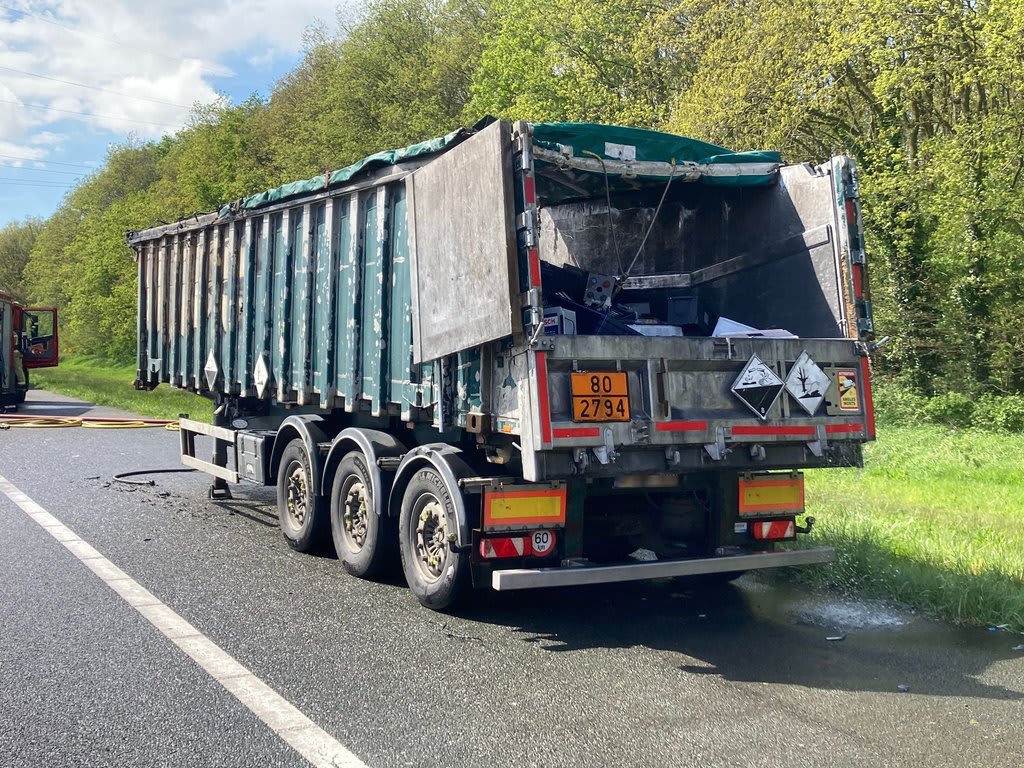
463,247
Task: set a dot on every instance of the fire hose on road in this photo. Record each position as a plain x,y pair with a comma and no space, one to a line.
8,421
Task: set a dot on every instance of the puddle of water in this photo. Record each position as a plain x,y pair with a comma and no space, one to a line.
871,621
850,615
785,603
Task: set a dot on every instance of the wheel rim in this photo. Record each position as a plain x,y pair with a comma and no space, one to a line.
431,538
296,488
355,513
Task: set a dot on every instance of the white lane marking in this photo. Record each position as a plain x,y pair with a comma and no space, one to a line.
298,731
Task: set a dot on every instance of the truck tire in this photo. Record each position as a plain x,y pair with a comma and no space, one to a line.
437,573
366,542
300,510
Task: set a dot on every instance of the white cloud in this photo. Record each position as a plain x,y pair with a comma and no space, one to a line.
47,138
147,62
10,150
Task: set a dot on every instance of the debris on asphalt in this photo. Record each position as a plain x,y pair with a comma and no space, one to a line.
455,635
903,688
835,638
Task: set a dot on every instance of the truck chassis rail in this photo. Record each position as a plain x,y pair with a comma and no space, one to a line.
533,578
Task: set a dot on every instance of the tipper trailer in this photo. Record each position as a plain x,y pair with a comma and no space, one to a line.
526,355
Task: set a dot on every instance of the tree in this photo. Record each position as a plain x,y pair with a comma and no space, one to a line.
586,60
16,241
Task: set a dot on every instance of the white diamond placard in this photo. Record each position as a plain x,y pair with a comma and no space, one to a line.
211,370
758,386
261,375
807,383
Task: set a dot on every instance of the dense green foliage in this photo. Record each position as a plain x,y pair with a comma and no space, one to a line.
16,242
927,97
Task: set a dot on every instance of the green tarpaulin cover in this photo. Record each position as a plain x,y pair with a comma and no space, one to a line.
582,138
652,146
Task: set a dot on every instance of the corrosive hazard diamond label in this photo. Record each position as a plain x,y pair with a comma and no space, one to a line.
807,383
757,386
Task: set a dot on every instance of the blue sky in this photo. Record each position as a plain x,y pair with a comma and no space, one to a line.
79,75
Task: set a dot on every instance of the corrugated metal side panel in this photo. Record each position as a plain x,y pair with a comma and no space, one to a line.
298,329
229,308
157,311
401,389
245,315
142,300
320,292
214,335
281,296
173,315
185,337
322,358
349,298
263,306
371,328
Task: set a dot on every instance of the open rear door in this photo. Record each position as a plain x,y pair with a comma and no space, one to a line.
39,339
465,281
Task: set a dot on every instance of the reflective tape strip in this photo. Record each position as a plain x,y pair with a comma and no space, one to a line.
524,507
766,493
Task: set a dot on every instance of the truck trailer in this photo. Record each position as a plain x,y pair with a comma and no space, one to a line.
526,354
28,340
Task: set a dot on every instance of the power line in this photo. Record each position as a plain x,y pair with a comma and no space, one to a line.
39,170
49,162
15,182
93,87
87,114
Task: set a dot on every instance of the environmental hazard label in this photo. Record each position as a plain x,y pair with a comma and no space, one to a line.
757,386
807,383
849,398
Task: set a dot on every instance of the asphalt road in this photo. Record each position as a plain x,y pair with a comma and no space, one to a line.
638,675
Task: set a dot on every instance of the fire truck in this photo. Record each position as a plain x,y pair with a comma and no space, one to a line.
28,339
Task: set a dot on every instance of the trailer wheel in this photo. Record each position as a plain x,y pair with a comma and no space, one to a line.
366,542
299,509
437,573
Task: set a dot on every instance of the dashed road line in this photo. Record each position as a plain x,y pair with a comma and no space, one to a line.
298,731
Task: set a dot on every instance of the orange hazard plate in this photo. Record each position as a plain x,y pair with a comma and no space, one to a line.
600,396
773,493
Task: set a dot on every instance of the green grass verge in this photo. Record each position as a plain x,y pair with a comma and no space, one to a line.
112,385
933,521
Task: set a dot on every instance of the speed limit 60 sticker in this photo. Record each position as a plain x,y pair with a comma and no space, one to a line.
542,543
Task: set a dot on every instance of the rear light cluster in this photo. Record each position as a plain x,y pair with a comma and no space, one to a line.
534,544
772,530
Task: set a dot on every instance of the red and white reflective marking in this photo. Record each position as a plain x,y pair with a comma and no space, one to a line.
773,529
536,544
